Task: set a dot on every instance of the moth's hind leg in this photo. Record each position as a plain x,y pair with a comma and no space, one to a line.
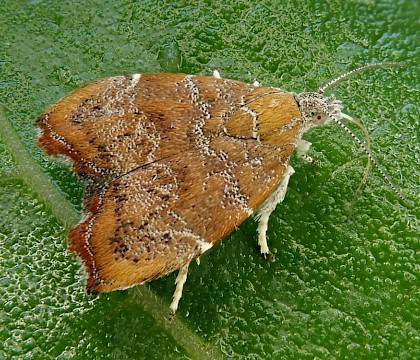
268,206
180,281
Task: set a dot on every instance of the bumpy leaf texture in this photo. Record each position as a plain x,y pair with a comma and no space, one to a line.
345,280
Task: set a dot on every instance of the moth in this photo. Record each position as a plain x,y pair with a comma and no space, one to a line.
174,163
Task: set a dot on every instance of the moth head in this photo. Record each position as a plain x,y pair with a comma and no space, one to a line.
317,109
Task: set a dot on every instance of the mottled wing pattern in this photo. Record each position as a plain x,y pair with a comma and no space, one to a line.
183,161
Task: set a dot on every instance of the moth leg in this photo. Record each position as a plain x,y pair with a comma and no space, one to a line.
268,206
302,148
256,83
216,74
180,281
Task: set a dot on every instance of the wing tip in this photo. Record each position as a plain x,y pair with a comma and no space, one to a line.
79,244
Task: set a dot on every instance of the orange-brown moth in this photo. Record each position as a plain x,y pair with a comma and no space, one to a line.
174,163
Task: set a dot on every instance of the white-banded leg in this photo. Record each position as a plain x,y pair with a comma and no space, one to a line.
302,148
268,206
216,74
180,281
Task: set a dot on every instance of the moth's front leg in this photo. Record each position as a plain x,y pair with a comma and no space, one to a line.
302,149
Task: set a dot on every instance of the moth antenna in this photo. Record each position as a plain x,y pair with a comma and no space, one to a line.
346,75
369,154
368,165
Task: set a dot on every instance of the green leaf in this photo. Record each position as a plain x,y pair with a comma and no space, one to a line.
345,280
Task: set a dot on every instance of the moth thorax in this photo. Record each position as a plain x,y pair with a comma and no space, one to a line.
317,109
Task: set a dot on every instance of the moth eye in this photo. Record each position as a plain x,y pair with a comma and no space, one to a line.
319,118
